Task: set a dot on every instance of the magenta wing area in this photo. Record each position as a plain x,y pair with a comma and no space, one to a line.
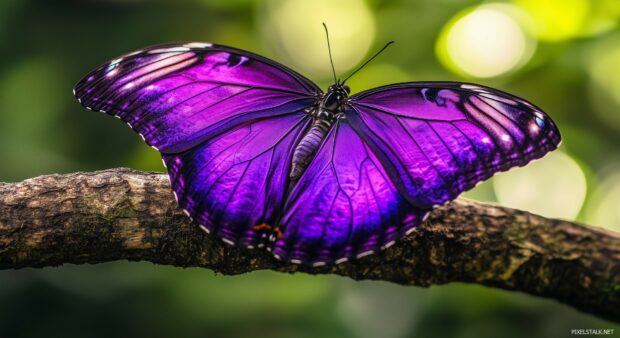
179,95
344,205
437,140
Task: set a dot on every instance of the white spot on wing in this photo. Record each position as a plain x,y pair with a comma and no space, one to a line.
177,49
198,45
389,244
295,261
116,61
474,88
341,260
170,50
112,72
205,229
317,264
134,53
228,241
365,253
409,231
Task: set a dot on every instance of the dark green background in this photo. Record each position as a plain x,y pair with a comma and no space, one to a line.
46,46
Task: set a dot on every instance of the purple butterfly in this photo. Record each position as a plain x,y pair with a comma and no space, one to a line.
259,156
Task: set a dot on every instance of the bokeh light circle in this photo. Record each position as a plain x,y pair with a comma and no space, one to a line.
556,20
553,187
604,89
485,41
295,28
603,209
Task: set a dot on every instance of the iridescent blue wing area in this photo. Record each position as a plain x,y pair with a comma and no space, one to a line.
438,139
179,95
343,206
225,120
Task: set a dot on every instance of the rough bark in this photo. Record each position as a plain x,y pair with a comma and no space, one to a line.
122,214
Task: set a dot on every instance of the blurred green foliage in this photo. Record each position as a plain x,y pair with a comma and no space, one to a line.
46,46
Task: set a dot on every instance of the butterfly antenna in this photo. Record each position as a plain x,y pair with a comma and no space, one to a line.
329,49
368,61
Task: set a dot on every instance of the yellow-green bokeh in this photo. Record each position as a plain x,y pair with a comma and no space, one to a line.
486,41
557,20
295,28
554,186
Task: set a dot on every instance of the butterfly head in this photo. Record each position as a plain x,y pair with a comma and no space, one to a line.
339,88
334,99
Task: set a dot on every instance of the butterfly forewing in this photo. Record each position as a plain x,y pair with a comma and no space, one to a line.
437,140
179,95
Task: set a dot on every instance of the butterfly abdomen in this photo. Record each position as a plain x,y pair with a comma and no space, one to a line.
307,147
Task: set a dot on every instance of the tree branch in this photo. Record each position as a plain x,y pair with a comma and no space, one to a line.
122,214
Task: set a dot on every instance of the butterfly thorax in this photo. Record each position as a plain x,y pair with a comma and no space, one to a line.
323,115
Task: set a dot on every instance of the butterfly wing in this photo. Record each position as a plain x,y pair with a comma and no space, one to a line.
437,140
234,185
179,95
225,120
343,206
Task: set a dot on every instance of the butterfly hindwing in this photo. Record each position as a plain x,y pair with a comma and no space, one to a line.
437,140
344,205
234,185
179,95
